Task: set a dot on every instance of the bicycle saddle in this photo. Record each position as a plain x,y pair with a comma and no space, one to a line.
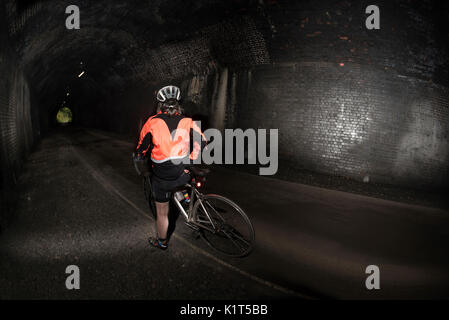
197,172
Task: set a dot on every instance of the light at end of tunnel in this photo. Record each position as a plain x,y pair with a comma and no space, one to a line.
64,116
81,74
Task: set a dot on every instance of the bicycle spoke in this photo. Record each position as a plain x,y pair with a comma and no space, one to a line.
234,242
237,236
226,227
240,238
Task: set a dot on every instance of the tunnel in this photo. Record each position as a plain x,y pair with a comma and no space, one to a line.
362,115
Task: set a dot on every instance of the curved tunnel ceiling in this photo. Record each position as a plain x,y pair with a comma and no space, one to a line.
124,42
118,42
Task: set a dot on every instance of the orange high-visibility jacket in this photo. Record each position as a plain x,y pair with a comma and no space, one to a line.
170,137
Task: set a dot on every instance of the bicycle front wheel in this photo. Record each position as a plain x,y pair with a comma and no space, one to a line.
226,227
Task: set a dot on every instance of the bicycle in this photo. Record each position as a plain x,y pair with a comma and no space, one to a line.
220,222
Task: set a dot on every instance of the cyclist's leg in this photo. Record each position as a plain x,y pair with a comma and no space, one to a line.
162,219
162,190
162,198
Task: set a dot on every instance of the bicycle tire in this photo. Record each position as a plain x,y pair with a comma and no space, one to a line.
224,230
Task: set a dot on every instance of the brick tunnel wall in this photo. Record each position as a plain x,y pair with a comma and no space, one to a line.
19,125
349,101
382,114
351,121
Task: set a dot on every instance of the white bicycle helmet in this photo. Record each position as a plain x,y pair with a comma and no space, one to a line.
168,92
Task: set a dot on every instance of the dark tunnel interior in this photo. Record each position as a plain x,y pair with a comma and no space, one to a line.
274,57
357,110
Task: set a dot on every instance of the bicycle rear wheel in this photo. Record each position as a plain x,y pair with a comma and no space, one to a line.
227,228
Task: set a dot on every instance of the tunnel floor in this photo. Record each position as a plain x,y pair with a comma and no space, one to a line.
81,204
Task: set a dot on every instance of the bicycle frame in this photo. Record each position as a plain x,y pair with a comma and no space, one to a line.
204,220
188,216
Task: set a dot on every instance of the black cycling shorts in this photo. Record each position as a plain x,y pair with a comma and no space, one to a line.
162,189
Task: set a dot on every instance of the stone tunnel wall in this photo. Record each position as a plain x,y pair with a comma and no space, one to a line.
369,105
351,121
349,101
352,101
19,124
